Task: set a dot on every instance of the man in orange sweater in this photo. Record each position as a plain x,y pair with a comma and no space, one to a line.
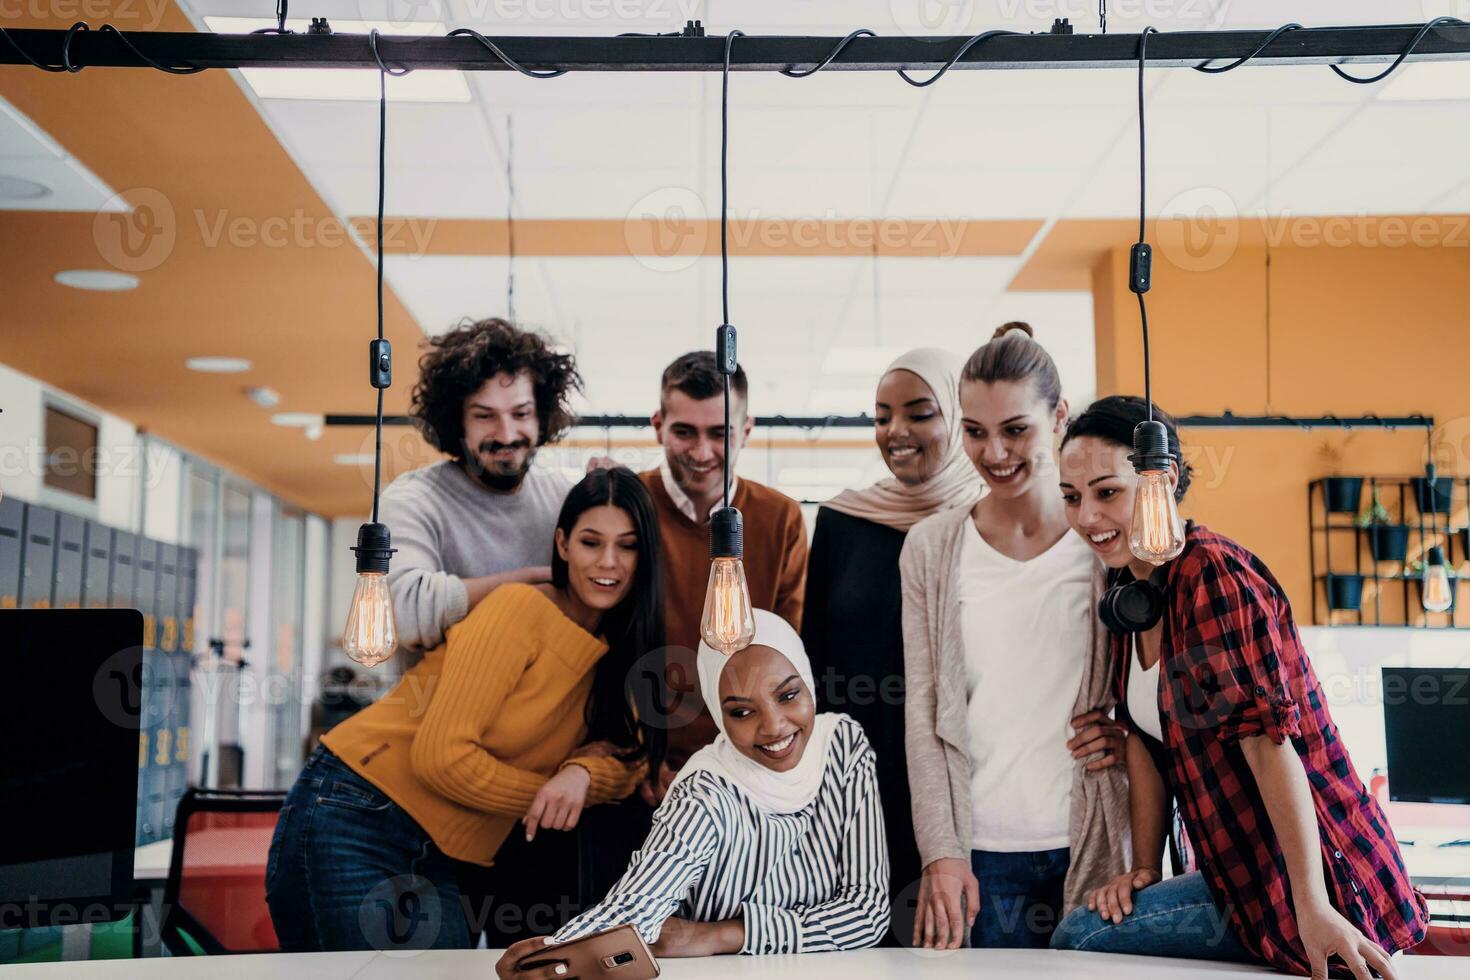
686,488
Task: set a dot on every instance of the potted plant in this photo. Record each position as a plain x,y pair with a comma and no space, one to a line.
1386,541
1433,495
1344,591
1342,493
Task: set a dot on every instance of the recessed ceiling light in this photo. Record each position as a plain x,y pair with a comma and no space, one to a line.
296,420
352,459
97,280
347,84
263,396
14,188
218,365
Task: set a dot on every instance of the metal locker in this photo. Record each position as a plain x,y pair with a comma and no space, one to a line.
120,581
71,540
96,565
12,523
145,589
166,601
38,560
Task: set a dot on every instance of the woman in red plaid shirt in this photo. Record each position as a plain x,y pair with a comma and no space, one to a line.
1296,864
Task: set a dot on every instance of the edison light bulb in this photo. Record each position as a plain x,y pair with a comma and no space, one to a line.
728,623
1437,593
1157,534
371,634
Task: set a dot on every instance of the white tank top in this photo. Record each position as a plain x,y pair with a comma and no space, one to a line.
1143,693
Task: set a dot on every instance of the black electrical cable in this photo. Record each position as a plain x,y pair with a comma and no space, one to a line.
1148,384
725,236
860,32
186,70
951,62
383,72
1437,22
1220,70
40,64
494,49
280,28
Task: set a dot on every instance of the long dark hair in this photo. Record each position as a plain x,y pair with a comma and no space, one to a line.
1113,419
621,705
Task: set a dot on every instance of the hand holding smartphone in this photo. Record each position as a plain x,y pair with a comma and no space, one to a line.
618,953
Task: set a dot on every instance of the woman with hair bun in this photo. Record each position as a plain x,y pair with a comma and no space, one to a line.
1296,865
1019,802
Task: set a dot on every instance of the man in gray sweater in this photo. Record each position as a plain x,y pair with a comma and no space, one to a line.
489,395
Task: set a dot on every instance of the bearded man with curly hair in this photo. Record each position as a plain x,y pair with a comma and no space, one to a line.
489,396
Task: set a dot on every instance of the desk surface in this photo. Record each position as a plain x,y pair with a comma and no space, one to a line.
872,964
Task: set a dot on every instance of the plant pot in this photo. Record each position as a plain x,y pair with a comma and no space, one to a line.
1436,501
1387,542
1344,591
1342,493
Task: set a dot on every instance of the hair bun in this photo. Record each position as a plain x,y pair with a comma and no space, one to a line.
1006,328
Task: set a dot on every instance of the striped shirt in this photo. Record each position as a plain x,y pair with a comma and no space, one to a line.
806,882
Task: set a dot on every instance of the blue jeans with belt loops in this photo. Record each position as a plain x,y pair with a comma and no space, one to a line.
1176,918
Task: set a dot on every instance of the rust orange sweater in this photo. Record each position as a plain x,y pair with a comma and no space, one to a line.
469,735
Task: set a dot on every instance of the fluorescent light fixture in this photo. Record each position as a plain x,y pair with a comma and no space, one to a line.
353,459
348,84
819,475
296,420
1425,80
97,280
263,396
866,361
14,188
218,365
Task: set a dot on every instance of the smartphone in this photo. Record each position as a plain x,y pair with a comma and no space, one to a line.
618,953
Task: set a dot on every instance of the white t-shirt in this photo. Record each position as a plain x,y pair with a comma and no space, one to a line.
1143,693
1027,630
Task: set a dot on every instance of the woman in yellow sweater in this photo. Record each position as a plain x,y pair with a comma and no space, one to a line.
526,713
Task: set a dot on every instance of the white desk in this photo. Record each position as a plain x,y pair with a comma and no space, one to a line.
150,862
873,964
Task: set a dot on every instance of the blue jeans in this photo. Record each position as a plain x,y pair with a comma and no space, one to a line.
1020,897
1177,917
349,869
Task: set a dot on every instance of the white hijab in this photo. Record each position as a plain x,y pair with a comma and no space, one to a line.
777,792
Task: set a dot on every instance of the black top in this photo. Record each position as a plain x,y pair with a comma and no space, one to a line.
853,631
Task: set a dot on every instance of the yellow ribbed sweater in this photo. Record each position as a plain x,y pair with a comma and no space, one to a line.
469,735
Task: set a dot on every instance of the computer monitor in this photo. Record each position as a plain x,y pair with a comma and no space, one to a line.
70,696
1426,718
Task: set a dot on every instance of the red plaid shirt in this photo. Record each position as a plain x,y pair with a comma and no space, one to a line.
1233,667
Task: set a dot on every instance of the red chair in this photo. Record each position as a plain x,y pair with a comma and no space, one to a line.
1449,935
214,899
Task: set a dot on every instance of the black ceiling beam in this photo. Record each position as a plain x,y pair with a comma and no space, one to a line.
1228,420
1318,45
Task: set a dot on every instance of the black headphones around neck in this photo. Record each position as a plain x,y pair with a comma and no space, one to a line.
1130,605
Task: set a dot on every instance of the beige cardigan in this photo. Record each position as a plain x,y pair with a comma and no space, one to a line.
936,714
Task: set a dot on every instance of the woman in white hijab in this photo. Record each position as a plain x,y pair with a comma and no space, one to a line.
771,838
852,619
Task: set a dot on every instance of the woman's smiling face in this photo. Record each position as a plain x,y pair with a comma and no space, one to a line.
767,709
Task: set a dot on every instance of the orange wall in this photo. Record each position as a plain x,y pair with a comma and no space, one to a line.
1365,324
